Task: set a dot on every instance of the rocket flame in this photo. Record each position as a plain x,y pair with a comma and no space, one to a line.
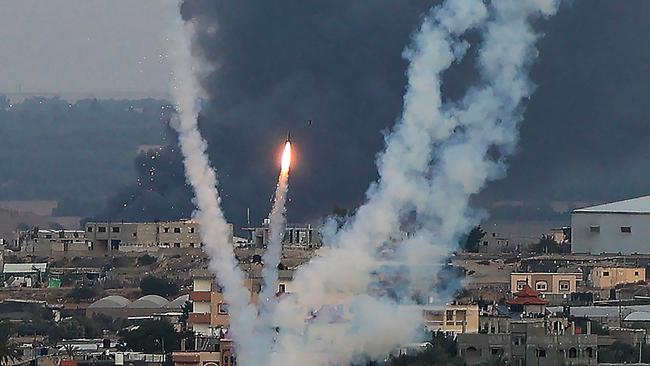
286,157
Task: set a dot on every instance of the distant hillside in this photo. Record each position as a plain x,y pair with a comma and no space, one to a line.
77,153
11,220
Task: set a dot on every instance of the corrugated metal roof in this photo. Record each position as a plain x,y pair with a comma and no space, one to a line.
639,205
638,316
24,267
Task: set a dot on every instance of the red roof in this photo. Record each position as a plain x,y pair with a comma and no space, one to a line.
527,296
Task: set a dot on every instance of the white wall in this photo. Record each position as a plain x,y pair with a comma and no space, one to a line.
610,238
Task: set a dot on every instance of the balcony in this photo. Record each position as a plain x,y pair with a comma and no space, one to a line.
199,318
200,296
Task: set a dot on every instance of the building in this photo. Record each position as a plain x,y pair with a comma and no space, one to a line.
531,342
622,226
50,243
295,236
24,274
609,277
452,318
143,236
496,243
546,283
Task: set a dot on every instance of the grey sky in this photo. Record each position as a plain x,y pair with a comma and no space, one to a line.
83,46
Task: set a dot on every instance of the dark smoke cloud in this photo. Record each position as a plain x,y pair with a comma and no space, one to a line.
338,63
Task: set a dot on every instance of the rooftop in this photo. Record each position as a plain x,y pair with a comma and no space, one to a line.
639,205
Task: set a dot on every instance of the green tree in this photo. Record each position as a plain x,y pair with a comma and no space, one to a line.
473,239
618,352
152,285
9,351
152,337
82,293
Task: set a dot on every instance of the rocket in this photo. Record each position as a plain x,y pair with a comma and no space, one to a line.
288,137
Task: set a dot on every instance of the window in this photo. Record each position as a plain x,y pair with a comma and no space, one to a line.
485,242
541,353
177,245
116,229
626,229
541,286
177,230
90,229
497,351
605,273
192,245
565,285
282,288
520,285
48,236
223,308
166,229
450,315
135,235
636,273
590,352
573,353
594,229
101,229
191,230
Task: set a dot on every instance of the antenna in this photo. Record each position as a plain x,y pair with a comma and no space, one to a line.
248,216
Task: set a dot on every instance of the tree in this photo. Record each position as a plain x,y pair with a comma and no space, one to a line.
152,285
9,351
618,352
547,244
146,260
442,351
82,293
473,239
152,337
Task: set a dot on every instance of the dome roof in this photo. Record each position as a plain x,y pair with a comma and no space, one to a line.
149,302
110,302
178,302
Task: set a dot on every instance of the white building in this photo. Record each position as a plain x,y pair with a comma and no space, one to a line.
622,226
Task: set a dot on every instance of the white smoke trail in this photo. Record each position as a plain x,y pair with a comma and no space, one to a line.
460,138
214,230
265,329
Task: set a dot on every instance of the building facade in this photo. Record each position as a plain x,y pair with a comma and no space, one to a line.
295,236
546,283
609,277
143,236
622,226
452,318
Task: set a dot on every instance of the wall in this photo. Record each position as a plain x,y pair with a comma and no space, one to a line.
608,277
610,239
552,280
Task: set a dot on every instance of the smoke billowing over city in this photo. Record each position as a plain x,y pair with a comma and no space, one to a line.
205,183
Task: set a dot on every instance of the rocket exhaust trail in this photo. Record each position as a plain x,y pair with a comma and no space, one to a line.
278,223
214,230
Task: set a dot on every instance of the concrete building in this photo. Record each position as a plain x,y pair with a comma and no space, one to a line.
452,318
494,242
50,243
24,274
531,342
143,236
546,283
608,277
295,236
622,226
